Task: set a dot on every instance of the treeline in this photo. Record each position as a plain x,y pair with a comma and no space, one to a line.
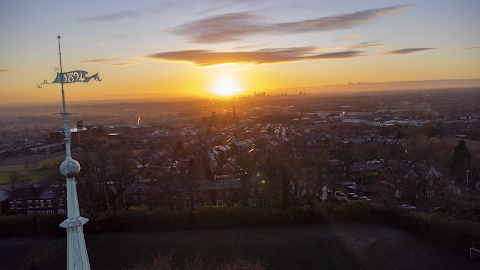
458,234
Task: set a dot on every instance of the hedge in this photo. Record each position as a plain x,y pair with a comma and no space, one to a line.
458,234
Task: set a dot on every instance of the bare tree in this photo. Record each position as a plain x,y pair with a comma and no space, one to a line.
15,178
123,175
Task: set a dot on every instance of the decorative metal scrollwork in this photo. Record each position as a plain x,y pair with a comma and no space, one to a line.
96,77
44,82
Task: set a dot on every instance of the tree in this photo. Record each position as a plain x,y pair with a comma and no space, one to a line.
208,173
15,178
244,162
191,180
460,161
93,181
388,186
123,175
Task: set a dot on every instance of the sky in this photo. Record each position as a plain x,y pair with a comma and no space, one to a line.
176,49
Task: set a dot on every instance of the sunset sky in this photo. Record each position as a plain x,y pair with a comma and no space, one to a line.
170,49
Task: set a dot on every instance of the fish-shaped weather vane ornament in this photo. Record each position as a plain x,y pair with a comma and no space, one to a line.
71,76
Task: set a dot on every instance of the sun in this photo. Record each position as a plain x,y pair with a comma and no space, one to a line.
226,87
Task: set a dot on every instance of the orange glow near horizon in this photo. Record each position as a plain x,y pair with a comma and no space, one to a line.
226,87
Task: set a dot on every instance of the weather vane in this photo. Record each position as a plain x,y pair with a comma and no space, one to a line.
77,257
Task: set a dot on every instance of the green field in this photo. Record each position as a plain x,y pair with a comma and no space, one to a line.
318,246
18,163
30,175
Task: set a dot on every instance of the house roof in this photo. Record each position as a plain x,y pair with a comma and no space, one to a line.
4,194
364,167
32,194
418,169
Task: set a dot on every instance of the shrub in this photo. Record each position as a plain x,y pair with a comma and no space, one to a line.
165,262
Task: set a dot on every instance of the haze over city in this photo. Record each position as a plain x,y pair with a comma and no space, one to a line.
200,49
239,134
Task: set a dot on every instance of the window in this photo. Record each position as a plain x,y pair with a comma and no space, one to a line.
49,203
219,194
219,202
19,205
37,203
143,197
12,205
41,203
252,202
226,194
187,196
60,202
30,204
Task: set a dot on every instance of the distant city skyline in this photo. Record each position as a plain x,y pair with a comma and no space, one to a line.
187,49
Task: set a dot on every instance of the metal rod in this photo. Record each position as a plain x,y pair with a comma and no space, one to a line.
65,115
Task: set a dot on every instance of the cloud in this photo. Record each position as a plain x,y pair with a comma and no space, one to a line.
125,64
478,47
126,14
114,16
406,50
239,26
6,70
347,37
365,45
205,58
249,47
95,61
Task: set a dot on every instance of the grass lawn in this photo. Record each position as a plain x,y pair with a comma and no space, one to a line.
317,246
472,145
18,163
30,176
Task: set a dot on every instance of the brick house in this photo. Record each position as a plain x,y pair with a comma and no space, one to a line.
32,200
223,191
4,205
418,182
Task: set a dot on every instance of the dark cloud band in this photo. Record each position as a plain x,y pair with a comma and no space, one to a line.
205,58
406,50
238,26
94,61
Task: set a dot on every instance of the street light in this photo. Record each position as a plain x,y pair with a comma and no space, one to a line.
466,190
361,180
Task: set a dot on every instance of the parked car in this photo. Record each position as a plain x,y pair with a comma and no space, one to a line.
438,210
364,198
341,196
352,196
409,207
